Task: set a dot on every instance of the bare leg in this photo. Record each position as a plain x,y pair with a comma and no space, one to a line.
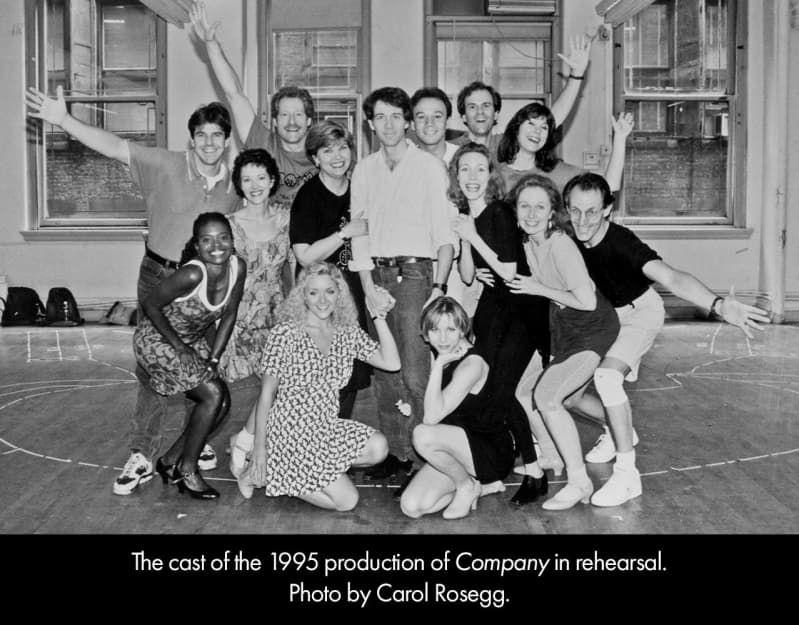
341,495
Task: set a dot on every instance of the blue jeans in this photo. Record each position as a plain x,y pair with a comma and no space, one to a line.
408,384
147,423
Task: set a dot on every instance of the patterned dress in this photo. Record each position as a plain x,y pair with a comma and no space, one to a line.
262,295
307,446
190,317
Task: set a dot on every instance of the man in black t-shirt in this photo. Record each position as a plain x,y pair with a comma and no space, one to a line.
623,269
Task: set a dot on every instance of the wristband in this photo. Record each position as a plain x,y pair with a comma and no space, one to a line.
713,306
441,287
577,77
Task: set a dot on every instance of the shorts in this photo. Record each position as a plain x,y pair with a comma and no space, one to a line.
641,322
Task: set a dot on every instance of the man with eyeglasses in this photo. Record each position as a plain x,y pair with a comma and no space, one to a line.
623,268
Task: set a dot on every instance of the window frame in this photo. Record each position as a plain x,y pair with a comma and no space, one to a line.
40,225
735,210
267,70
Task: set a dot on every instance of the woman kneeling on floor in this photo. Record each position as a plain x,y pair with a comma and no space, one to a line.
463,442
302,448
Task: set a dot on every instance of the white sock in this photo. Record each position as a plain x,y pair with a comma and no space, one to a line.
578,476
244,443
626,460
533,469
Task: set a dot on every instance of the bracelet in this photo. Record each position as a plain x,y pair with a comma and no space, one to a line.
441,287
576,77
213,361
713,306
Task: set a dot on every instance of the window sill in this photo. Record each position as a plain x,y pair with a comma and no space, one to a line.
690,232
85,234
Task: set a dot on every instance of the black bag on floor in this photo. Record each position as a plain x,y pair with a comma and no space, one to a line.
62,309
23,307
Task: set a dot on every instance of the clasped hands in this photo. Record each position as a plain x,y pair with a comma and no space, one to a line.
520,285
379,302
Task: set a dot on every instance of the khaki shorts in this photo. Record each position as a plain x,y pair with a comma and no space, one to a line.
641,322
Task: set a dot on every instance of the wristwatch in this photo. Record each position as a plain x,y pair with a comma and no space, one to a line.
441,287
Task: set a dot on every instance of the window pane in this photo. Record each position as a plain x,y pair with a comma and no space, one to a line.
317,60
513,67
83,184
677,45
681,169
128,37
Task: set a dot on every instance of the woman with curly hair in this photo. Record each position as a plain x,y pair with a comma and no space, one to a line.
302,449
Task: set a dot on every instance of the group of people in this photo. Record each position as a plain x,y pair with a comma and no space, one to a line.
481,285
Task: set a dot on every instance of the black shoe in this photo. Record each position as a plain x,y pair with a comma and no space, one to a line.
531,489
194,485
397,494
390,466
166,471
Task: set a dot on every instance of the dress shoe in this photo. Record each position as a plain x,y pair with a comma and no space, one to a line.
569,496
238,456
166,471
194,485
464,501
531,489
390,466
246,486
622,486
397,494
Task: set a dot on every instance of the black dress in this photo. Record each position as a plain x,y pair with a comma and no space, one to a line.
508,328
317,213
489,439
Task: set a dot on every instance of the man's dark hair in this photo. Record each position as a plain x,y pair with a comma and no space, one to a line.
478,86
390,95
431,92
214,113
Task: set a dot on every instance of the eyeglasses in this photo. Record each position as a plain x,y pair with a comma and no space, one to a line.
592,214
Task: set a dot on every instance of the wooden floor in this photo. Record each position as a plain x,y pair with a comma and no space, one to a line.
716,413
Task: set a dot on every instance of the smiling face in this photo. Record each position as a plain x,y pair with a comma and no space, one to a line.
321,294
533,134
430,121
214,243
334,160
445,336
255,183
389,124
291,123
208,144
473,175
479,113
588,216
533,209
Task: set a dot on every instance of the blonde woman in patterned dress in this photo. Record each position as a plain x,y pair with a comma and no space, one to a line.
170,343
302,449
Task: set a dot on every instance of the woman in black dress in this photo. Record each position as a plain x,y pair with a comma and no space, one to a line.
320,228
508,329
462,442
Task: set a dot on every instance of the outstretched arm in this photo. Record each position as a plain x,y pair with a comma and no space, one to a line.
55,112
578,63
622,128
240,106
688,287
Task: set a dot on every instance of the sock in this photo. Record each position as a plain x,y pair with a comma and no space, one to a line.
578,476
533,469
244,443
626,460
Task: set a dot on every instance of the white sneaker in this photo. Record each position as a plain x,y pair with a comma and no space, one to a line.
138,470
604,450
207,459
622,486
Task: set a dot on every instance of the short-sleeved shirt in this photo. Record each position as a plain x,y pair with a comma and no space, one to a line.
175,194
556,263
496,225
560,174
317,213
616,264
294,167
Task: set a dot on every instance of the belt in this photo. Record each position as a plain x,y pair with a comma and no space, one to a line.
164,262
394,261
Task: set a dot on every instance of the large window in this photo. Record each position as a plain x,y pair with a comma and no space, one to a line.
512,53
677,63
107,56
319,46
